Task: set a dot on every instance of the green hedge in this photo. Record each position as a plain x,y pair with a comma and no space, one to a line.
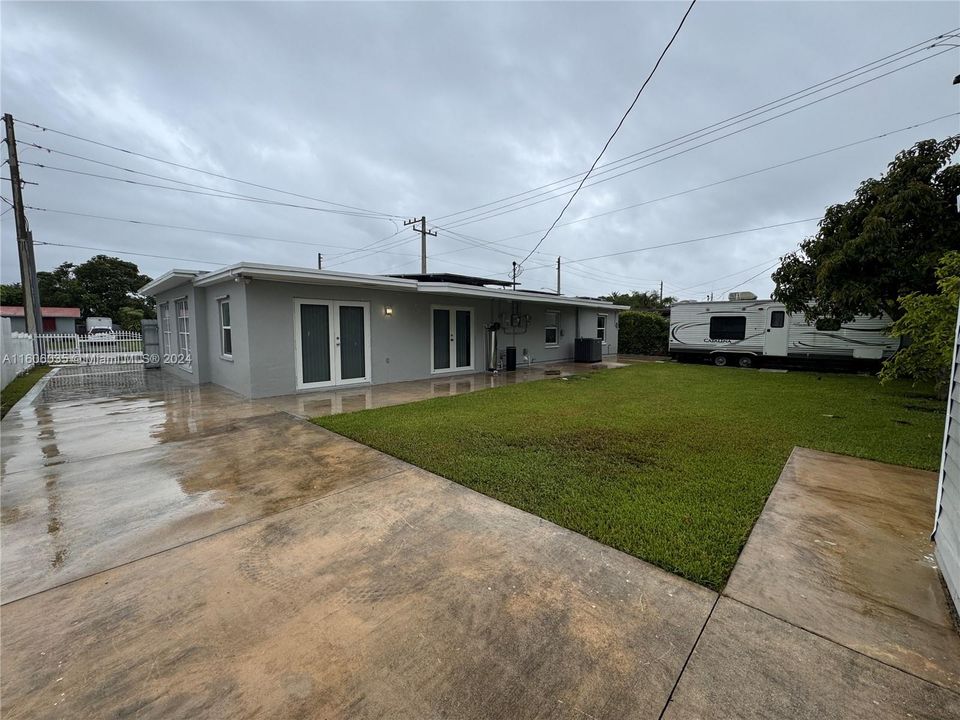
643,333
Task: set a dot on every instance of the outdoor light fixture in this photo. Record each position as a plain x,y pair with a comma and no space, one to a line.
388,310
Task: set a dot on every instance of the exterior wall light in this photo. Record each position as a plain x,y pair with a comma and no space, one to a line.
388,310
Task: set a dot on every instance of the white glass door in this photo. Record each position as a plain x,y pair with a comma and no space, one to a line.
451,339
332,343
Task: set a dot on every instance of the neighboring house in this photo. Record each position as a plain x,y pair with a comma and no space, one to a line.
264,330
55,319
946,526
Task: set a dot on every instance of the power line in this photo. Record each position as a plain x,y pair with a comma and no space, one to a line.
204,172
742,175
615,131
728,275
687,242
186,228
830,82
218,194
127,252
752,277
172,180
715,183
509,208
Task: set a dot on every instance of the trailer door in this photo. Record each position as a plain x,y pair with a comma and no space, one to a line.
775,337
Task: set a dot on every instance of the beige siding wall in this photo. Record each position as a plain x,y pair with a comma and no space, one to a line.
948,518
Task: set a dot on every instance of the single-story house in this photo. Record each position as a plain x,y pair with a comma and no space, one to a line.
55,319
263,330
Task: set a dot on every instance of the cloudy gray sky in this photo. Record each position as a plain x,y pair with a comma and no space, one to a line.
405,109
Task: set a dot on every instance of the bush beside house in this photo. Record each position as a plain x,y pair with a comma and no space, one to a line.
643,333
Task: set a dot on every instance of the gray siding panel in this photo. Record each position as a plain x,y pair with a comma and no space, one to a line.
947,533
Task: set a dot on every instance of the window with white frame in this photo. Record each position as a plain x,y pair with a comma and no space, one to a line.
165,328
551,329
183,332
226,334
602,328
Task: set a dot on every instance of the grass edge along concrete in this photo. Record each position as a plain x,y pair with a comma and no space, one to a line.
670,463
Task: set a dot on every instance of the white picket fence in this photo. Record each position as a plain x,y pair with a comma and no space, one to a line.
105,348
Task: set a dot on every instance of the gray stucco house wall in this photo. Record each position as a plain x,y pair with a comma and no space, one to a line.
265,304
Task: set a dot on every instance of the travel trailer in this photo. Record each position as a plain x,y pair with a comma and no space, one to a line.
743,330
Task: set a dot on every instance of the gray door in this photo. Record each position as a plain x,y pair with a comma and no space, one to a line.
452,339
315,365
351,339
441,339
332,343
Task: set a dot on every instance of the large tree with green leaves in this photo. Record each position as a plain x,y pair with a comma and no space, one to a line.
930,323
102,286
639,300
883,244
11,294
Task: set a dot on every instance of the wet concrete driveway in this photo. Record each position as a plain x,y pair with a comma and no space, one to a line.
171,551
179,552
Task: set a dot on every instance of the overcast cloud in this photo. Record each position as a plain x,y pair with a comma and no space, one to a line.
410,109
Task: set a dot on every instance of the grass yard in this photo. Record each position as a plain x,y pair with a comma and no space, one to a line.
671,463
19,387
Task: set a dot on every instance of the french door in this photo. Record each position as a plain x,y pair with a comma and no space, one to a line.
332,343
452,339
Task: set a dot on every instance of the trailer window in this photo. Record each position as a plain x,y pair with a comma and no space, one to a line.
776,318
728,327
828,324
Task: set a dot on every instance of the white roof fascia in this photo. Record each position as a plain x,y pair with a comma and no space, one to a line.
285,273
170,279
470,291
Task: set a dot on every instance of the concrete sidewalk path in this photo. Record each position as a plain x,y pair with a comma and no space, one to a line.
834,609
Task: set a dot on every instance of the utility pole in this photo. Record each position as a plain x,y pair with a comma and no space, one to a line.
28,267
514,274
319,261
423,239
661,292
558,274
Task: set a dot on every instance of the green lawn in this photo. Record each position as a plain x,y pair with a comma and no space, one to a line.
671,463
19,387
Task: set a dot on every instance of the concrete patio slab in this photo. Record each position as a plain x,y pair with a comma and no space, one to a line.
75,417
66,521
842,549
409,596
334,402
748,665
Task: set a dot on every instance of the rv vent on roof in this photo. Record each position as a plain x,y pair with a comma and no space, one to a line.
741,296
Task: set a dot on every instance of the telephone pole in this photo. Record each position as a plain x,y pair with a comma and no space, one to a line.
423,239
28,267
514,274
661,292
558,274
319,261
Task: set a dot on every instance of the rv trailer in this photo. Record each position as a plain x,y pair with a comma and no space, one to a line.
744,330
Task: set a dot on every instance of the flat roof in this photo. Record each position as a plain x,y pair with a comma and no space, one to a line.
287,273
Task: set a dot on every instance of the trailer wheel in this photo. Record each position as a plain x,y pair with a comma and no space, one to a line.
719,360
745,361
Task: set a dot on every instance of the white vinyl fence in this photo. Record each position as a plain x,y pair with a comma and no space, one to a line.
105,348
16,353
